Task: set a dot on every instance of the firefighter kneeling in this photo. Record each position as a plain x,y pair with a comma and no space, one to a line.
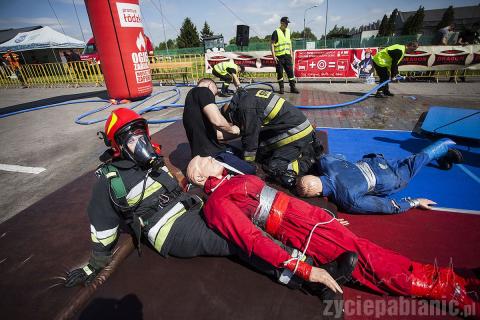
274,134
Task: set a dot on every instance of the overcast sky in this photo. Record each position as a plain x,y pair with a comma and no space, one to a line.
222,15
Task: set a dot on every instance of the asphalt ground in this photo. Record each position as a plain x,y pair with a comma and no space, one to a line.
50,139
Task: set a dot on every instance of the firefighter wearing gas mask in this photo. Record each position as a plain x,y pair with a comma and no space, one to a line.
135,186
274,133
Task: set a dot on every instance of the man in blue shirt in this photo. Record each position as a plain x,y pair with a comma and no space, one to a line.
365,186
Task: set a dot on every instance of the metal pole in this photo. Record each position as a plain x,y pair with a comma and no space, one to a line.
326,20
304,35
304,38
163,25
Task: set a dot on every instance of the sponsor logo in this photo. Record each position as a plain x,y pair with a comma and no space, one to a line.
455,60
476,58
129,15
140,61
452,51
141,42
21,38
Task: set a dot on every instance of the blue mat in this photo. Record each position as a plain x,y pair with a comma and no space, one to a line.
457,188
455,122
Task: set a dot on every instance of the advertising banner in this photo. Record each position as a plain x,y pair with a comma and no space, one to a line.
334,63
352,63
254,61
442,58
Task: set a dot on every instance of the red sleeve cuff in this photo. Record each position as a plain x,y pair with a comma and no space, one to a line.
303,269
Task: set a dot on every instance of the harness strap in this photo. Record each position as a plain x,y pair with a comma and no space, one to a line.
167,181
275,217
116,183
269,214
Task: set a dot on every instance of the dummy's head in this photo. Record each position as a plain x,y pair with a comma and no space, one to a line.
128,136
242,69
309,186
200,168
208,83
411,47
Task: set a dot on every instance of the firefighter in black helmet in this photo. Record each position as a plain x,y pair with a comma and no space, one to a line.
274,133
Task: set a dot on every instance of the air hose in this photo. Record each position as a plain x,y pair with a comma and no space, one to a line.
344,104
173,104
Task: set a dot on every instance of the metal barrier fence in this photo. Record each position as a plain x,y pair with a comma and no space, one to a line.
166,69
185,67
52,74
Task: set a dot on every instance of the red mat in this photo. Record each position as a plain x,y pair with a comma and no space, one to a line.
425,236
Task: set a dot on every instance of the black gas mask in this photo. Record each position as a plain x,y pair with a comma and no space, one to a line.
136,146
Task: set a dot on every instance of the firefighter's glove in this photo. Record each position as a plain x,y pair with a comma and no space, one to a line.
84,275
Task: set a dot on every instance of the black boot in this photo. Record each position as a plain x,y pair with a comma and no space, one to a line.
281,86
453,156
293,89
340,269
224,92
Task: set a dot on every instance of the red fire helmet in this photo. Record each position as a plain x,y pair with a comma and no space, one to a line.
118,120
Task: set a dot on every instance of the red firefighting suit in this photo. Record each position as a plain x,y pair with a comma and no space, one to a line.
234,205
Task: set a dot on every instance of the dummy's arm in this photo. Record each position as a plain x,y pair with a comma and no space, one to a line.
373,204
222,215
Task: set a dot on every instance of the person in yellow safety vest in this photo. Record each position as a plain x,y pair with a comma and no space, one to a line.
386,63
282,53
228,71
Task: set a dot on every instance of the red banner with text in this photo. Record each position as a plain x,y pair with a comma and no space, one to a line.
442,58
334,63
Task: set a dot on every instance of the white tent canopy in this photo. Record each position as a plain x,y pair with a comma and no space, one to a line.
44,38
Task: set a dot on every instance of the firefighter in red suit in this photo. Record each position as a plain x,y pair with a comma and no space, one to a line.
238,204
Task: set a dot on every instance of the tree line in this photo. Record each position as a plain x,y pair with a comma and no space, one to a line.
414,23
189,37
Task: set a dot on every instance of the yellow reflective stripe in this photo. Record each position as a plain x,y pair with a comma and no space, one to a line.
111,174
295,166
94,238
112,122
165,230
290,139
276,109
87,270
288,133
148,192
249,155
105,242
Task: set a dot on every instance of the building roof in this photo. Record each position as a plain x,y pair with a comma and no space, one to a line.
7,34
435,15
